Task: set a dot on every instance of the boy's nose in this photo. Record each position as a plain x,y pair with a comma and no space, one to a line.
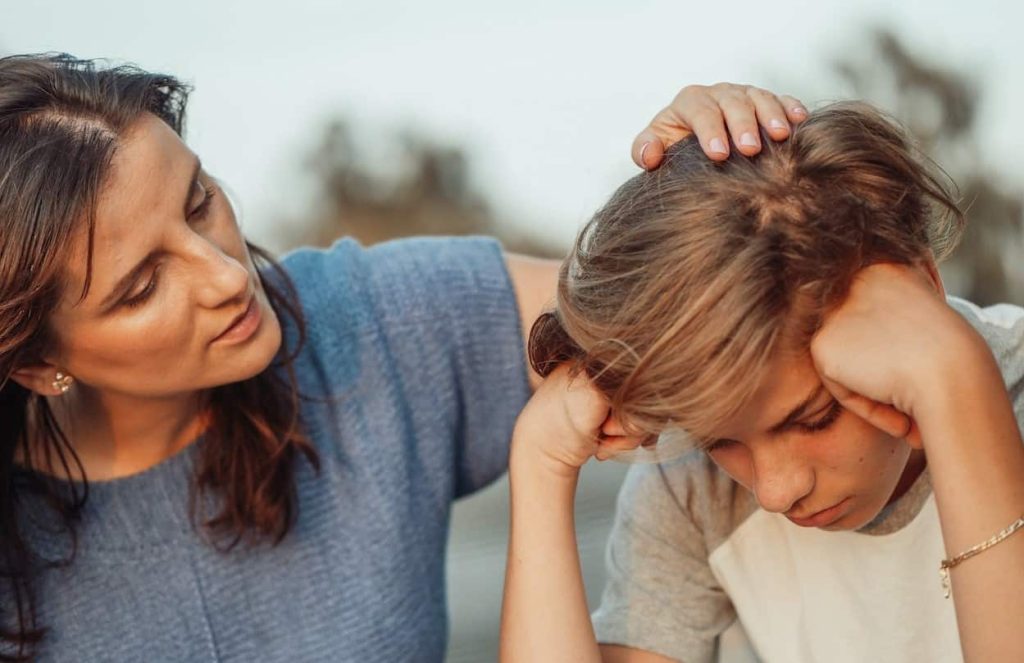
780,480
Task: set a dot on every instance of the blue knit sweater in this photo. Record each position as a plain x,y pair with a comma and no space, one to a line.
418,343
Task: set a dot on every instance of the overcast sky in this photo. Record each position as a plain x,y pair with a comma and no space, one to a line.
545,95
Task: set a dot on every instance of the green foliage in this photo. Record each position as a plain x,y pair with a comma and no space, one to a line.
421,188
940,105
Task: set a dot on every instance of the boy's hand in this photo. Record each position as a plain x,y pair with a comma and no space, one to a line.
707,111
892,346
565,423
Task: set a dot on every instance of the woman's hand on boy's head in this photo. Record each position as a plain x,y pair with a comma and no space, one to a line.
714,113
888,345
565,423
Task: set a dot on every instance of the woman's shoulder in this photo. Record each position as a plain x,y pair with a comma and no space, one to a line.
328,279
395,280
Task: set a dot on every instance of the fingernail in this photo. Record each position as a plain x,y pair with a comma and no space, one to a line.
643,151
775,124
718,146
799,110
748,140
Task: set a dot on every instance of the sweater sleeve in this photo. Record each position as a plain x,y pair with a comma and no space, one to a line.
436,323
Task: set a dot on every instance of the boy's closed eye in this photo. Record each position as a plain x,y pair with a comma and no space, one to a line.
818,422
832,413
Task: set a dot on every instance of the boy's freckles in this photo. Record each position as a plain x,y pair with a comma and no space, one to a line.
847,462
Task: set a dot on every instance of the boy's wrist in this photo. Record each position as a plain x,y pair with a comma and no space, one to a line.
527,459
967,372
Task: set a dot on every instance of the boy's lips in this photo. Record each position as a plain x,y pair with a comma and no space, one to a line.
821,518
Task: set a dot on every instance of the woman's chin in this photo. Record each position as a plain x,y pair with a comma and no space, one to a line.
247,360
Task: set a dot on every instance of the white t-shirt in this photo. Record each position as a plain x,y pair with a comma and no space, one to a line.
694,562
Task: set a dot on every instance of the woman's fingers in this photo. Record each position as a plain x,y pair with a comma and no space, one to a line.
693,112
771,114
716,114
648,149
708,123
795,110
741,118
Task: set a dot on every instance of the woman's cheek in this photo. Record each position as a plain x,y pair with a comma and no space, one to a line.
166,327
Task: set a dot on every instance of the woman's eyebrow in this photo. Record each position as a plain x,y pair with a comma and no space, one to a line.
797,412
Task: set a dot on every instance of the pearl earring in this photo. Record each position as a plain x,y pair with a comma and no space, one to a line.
62,382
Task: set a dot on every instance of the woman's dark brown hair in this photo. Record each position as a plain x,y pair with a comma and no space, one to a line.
692,276
61,121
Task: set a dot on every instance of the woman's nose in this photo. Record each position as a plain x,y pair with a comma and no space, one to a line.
781,478
222,278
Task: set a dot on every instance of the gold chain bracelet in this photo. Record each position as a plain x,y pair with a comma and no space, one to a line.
947,564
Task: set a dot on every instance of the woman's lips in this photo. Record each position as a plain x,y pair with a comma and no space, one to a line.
822,518
244,326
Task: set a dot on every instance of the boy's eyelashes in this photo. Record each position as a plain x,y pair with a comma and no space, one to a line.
834,409
714,445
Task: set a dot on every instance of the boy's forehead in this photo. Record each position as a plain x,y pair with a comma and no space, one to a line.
787,382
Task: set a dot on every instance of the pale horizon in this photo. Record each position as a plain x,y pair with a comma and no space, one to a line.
545,99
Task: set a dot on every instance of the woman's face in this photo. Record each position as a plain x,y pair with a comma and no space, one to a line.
804,456
174,304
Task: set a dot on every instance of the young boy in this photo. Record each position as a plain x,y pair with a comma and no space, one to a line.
855,426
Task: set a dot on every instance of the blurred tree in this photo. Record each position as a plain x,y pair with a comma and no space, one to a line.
426,188
940,107
422,188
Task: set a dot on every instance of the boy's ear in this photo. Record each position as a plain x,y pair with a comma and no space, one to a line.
43,379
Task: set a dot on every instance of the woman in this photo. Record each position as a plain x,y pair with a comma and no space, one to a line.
208,456
853,427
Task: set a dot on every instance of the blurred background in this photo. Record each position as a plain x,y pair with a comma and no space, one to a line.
388,118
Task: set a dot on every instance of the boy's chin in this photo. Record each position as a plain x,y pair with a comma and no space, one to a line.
855,520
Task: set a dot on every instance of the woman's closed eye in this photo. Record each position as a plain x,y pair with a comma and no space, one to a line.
145,293
200,211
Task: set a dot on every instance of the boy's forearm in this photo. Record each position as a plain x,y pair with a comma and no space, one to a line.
976,461
544,615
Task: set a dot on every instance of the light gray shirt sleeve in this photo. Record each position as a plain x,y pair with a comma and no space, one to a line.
661,595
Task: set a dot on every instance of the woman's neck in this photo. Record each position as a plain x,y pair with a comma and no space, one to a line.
116,436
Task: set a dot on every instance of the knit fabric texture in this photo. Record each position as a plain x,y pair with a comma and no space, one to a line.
414,355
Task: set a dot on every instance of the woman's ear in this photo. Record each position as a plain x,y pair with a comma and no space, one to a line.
43,379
